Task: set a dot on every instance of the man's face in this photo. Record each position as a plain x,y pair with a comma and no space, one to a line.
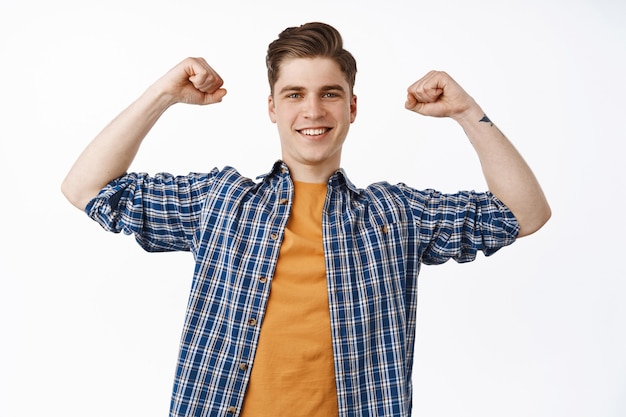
313,109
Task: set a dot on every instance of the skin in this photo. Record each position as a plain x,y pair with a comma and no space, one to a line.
111,152
508,176
313,110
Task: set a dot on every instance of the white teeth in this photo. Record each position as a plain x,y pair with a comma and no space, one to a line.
313,132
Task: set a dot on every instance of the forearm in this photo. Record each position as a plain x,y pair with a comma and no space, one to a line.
110,154
507,174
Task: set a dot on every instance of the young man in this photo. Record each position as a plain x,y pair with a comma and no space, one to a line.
305,289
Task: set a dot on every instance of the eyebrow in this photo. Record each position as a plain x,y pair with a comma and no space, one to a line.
332,87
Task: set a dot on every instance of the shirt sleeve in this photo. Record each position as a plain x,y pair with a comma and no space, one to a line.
162,212
457,226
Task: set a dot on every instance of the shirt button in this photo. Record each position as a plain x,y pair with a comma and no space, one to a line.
284,201
252,322
263,280
243,366
274,236
232,410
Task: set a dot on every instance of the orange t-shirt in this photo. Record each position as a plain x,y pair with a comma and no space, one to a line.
293,373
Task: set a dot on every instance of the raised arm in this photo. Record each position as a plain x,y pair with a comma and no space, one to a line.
110,154
508,176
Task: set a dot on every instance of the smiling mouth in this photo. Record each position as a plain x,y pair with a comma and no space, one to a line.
314,132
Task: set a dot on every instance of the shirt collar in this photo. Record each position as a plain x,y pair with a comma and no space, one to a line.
338,179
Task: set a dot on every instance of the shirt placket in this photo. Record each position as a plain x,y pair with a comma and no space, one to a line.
333,239
272,235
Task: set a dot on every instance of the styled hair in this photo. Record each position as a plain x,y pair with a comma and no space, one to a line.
311,40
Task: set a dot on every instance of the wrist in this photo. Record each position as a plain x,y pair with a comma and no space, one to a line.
158,98
472,114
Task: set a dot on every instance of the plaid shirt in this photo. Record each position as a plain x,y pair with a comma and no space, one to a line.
374,242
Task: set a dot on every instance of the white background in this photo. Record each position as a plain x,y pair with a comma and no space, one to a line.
90,324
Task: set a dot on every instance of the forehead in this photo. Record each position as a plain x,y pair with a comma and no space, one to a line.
310,73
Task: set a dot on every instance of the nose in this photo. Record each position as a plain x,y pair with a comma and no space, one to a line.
313,107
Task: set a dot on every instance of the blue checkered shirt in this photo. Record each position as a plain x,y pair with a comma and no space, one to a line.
374,242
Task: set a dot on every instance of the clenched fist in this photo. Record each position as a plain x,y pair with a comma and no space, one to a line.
192,81
438,95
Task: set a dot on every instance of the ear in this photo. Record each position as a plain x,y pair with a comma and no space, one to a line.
271,108
352,108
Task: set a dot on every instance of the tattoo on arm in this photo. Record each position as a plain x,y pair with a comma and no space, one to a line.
485,119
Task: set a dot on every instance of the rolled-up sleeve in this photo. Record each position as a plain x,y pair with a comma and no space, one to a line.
457,226
162,211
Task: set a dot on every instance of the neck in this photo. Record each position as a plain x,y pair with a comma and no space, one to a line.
310,173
